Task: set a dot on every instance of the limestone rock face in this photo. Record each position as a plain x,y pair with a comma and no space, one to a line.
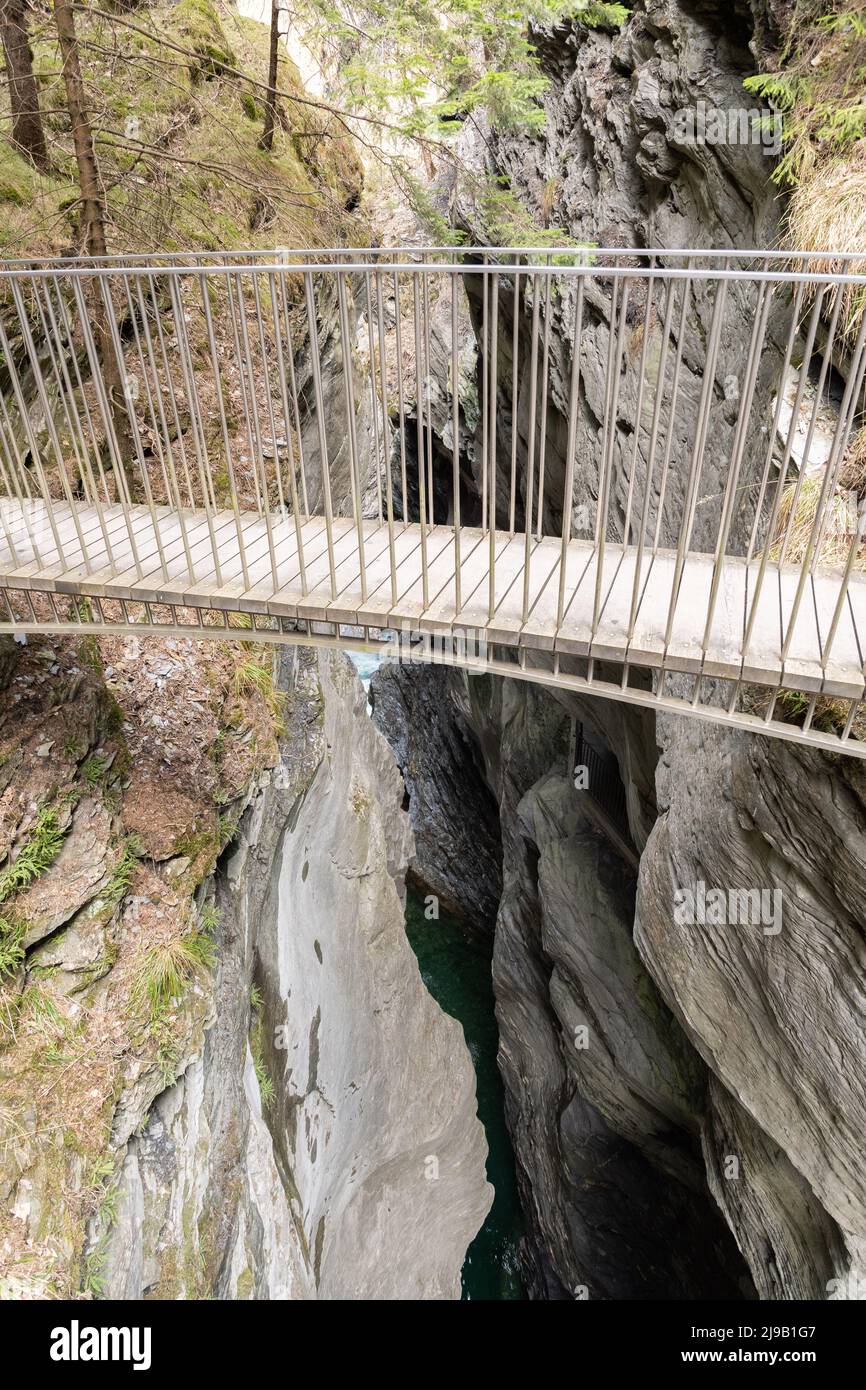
325,1143
778,1016
457,854
604,1093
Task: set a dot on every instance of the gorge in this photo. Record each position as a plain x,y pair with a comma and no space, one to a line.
637,1106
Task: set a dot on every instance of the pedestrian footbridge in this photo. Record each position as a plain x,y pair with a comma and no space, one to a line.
610,472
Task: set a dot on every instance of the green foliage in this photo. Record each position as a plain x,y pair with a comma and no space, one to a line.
198,23
773,87
209,919
93,770
250,110
253,677
11,945
164,972
600,15
93,1271
39,853
431,66
847,23
121,877
267,1090
819,89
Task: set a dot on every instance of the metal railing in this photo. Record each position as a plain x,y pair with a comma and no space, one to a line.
575,420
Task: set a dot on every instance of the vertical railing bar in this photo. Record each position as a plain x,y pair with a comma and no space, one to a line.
287,425
849,722
491,434
816,409
188,372
260,456
51,336
612,408
258,450
320,420
777,501
4,508
515,379
428,386
831,473
774,427
675,391
169,381
224,428
18,467
151,409
698,453
545,374
174,489
24,416
762,311
651,459
389,481
242,383
131,416
65,318
455,435
374,404
281,498
485,322
422,497
401,402
856,542
568,494
49,418
96,452
841,438
15,464
293,393
349,395
650,307
530,453
600,518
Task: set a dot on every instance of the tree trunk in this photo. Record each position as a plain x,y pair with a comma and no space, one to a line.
93,221
267,137
27,133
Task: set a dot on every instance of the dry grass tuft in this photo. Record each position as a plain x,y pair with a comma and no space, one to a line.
827,212
838,531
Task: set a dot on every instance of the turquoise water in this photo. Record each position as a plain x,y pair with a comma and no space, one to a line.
366,664
456,970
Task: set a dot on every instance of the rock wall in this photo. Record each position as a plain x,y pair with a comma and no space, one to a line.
605,1098
324,1143
206,989
613,168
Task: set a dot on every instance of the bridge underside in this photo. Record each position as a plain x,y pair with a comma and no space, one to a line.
161,557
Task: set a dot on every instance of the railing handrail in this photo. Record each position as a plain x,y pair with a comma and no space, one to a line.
275,252
97,268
